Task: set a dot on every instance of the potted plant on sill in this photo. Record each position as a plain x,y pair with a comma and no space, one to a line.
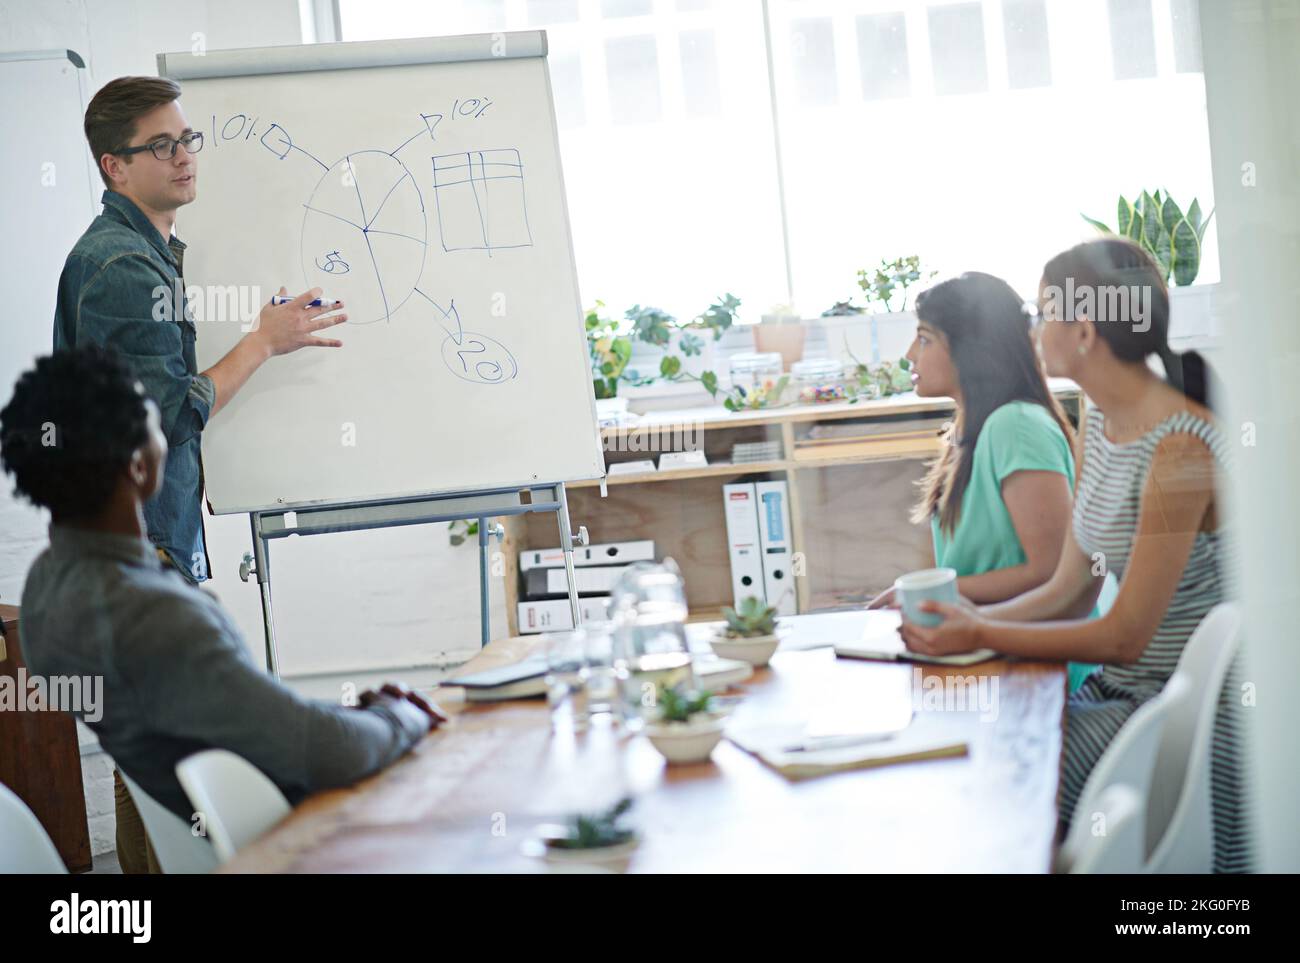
892,326
596,839
688,347
780,330
685,350
749,633
609,345
686,726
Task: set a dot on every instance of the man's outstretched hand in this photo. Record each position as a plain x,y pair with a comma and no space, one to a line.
283,328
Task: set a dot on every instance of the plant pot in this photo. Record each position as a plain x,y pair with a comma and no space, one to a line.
686,742
870,338
892,334
1192,313
756,650
785,338
610,859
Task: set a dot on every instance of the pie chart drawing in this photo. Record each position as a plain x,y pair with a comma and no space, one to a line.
364,236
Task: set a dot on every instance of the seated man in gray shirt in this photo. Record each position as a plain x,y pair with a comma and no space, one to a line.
81,439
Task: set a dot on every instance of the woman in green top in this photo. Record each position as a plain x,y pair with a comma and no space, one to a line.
998,499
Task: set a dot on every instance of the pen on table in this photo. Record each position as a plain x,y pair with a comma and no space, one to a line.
318,303
814,743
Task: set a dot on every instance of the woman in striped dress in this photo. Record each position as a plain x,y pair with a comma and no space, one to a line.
1145,509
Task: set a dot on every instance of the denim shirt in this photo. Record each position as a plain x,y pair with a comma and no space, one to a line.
122,287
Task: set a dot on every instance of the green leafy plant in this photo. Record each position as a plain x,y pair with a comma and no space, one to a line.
1170,236
880,284
871,381
719,316
461,530
596,830
609,344
842,308
740,398
651,325
753,619
610,352
678,705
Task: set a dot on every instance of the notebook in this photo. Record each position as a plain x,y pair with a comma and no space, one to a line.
881,642
774,746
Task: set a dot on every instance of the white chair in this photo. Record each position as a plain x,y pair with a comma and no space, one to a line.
238,802
1179,829
1129,760
25,847
1119,848
178,850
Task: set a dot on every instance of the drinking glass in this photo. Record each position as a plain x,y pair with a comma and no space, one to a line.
566,686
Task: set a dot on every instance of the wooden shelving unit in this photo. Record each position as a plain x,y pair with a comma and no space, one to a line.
850,495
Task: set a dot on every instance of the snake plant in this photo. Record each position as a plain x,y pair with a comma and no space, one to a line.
1170,236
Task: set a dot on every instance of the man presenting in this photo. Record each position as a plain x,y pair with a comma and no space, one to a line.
123,286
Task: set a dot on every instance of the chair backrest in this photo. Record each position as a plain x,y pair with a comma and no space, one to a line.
25,847
178,850
237,801
1179,830
1128,760
1119,848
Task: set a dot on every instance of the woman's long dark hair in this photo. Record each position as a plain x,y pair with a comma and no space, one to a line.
1109,264
987,328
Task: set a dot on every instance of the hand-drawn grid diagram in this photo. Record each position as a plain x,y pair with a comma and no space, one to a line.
480,200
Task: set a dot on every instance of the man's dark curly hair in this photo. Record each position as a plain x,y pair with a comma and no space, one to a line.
70,429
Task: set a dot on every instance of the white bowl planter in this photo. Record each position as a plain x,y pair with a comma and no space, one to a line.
684,742
756,650
608,859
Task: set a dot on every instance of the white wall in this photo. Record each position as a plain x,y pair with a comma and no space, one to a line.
395,597
1252,81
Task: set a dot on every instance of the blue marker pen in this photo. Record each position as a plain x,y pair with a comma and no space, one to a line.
318,303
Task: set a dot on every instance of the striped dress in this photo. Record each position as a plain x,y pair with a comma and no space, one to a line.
1112,478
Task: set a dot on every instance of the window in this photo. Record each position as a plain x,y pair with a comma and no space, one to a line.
972,133
666,138
1029,59
957,49
975,133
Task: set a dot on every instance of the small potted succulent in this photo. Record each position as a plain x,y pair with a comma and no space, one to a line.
686,726
592,839
749,633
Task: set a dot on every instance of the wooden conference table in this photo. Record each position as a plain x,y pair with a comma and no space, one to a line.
469,796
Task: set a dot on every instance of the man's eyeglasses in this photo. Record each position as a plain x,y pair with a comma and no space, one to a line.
164,148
